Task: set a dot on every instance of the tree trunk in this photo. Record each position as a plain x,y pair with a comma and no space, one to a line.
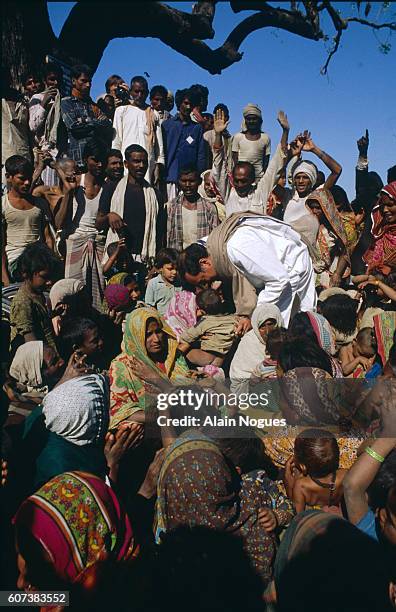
27,37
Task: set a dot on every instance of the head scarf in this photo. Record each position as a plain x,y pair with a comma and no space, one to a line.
262,313
196,486
181,313
78,409
128,392
77,518
250,109
118,279
64,288
308,168
117,296
308,393
326,293
381,255
27,363
323,333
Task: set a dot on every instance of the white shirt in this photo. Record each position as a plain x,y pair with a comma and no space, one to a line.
189,218
271,255
86,223
130,126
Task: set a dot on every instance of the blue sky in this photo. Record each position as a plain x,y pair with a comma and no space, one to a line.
280,71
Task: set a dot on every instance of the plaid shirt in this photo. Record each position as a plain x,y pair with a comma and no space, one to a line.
78,134
207,220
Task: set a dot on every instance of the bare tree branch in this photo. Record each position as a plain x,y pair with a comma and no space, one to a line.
334,50
371,24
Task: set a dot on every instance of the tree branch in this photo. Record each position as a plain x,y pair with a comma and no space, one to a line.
375,26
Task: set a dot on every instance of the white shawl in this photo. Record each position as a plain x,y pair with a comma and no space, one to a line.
27,363
151,203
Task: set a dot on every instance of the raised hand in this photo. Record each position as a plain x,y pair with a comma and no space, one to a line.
363,144
296,145
309,144
220,123
283,120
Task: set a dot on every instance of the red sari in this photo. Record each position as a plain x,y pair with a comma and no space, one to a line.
381,255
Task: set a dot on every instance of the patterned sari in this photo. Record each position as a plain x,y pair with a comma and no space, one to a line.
196,486
77,518
128,393
381,255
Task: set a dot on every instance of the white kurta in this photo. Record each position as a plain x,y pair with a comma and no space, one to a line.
271,255
130,127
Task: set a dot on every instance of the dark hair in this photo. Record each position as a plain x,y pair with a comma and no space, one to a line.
31,74
158,89
392,355
166,256
190,169
275,339
80,69
52,68
222,107
189,259
318,450
202,93
243,448
209,300
391,174
340,197
72,334
245,164
301,353
181,94
16,164
341,313
133,148
111,249
301,327
141,80
113,153
96,150
366,338
37,256
114,79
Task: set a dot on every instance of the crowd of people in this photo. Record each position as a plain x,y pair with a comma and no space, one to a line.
152,254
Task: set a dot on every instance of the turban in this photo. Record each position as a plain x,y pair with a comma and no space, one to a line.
252,109
307,168
117,296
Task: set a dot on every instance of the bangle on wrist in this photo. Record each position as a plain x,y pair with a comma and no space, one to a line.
374,454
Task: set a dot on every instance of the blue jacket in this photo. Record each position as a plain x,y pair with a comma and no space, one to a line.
184,145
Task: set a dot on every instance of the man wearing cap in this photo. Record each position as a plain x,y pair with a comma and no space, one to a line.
251,144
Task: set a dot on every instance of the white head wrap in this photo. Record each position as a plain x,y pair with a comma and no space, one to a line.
27,363
64,288
308,168
78,410
262,313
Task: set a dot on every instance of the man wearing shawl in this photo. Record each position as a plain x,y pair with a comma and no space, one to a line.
264,259
381,255
240,192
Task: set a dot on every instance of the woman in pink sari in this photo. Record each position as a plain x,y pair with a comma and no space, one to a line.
381,255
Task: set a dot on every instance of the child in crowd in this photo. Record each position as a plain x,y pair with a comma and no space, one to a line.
29,315
119,259
247,455
251,144
214,330
275,339
82,335
24,219
161,289
357,358
312,476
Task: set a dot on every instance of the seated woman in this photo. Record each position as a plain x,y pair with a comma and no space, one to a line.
331,243
308,397
68,431
198,486
341,312
381,255
251,349
34,370
65,528
149,355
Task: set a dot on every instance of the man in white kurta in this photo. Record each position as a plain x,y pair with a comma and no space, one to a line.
137,123
271,255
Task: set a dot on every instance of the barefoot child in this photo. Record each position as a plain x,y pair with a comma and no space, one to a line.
358,356
312,477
